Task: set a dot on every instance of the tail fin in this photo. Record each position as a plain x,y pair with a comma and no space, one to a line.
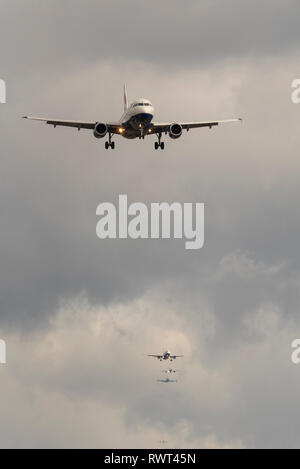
125,99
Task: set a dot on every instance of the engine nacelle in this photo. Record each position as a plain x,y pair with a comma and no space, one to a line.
175,131
100,130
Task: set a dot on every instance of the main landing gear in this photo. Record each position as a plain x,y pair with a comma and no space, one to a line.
159,144
109,144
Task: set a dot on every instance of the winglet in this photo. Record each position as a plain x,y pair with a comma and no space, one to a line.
125,99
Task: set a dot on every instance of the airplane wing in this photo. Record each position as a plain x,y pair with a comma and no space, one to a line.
155,356
111,127
165,127
176,356
167,380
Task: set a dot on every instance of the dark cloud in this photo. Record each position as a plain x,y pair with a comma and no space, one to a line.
53,34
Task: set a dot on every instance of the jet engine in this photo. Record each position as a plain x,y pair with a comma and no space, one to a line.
175,131
100,130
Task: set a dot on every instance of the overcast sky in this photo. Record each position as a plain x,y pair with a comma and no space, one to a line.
78,313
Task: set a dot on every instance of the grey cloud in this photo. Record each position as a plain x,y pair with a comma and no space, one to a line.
35,35
83,365
247,176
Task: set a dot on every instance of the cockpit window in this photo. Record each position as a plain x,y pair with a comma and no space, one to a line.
142,104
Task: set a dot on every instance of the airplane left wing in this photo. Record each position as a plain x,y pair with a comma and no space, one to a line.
165,127
155,356
111,127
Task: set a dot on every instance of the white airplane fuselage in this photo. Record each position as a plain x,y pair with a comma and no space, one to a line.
137,119
166,356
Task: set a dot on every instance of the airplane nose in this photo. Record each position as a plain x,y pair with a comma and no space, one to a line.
142,120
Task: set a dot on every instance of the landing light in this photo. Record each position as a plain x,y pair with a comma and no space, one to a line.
121,130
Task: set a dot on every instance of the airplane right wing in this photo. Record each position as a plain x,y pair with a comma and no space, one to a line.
112,127
155,356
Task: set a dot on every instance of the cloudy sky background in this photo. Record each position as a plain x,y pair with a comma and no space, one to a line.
78,313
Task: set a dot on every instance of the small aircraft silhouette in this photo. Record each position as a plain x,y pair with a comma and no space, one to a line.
165,356
169,371
167,380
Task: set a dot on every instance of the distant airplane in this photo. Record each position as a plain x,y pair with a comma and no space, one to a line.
166,356
136,122
167,380
170,371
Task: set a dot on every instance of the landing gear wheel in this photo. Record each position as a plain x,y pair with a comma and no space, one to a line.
159,144
109,143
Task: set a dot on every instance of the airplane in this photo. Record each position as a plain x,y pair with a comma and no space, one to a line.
136,122
167,380
170,371
166,356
